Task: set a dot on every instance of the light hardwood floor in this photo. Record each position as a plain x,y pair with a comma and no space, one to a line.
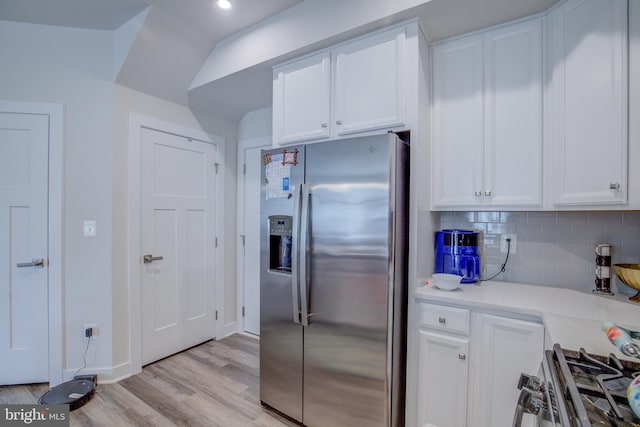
213,384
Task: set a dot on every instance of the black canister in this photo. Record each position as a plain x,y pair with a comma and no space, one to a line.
603,269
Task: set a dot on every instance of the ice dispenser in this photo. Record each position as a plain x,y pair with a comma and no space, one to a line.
280,227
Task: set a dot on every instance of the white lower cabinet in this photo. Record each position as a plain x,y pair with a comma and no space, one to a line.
504,348
470,379
442,379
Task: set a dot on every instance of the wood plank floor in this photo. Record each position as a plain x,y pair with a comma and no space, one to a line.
213,384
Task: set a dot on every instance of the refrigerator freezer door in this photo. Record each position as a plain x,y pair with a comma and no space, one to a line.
350,277
280,337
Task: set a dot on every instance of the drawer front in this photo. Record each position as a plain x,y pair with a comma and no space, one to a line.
443,318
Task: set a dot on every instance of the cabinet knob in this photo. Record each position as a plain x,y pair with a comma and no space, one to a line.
338,122
323,124
478,193
487,193
614,186
462,356
442,320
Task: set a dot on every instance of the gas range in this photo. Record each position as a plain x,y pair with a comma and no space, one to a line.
577,389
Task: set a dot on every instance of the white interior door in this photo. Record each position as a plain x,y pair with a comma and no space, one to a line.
252,241
24,327
178,232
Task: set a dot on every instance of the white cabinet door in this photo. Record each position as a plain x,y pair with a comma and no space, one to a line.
369,83
513,115
24,269
457,123
442,380
504,349
301,100
178,195
589,93
487,119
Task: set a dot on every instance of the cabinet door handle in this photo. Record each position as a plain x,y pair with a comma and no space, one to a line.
614,186
478,193
338,122
442,320
462,356
487,193
323,125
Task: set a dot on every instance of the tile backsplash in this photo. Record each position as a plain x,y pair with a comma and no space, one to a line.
553,248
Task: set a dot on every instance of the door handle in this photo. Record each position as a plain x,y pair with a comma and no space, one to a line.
38,262
148,259
295,254
304,231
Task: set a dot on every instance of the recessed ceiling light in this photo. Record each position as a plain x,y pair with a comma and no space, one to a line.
224,4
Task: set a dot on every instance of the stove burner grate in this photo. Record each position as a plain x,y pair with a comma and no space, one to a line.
594,387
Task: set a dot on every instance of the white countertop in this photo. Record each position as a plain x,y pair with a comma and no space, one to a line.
571,318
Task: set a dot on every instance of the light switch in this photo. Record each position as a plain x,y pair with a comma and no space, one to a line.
90,228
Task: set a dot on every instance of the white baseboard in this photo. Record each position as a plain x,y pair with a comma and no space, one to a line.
106,375
229,329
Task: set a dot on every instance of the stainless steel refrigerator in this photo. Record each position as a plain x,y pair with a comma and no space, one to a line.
333,283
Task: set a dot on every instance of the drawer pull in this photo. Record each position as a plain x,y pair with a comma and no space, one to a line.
462,356
442,320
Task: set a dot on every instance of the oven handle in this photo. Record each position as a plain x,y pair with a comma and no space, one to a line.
529,402
517,417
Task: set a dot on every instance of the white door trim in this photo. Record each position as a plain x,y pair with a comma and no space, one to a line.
264,142
136,123
55,221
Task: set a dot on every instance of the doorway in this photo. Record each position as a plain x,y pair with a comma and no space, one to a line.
249,159
176,268
31,242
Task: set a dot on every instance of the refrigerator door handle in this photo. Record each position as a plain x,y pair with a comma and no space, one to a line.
304,235
295,254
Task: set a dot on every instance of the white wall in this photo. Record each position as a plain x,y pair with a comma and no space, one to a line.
255,125
73,67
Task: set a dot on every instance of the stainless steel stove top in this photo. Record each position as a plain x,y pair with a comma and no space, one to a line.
593,387
580,390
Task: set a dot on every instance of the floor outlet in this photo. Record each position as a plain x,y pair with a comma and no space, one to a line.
503,243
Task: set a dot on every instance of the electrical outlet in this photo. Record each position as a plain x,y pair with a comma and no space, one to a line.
92,328
513,243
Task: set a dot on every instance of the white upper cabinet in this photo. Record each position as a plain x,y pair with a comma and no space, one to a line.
457,123
302,100
487,119
513,116
369,83
588,103
355,87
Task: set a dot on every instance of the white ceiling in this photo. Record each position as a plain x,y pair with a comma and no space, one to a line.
96,14
201,15
190,29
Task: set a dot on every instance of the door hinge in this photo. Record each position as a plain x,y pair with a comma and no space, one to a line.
243,311
216,314
242,237
217,165
244,169
216,242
